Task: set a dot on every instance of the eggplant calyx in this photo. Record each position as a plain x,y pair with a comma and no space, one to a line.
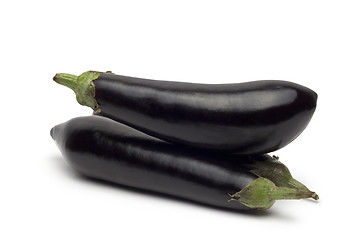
82,85
279,174
262,193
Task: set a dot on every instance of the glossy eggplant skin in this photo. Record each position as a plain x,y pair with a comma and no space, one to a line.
101,148
248,118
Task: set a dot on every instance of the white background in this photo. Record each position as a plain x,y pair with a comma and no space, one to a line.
313,43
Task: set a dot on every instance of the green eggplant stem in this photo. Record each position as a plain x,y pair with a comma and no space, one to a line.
279,174
262,194
82,85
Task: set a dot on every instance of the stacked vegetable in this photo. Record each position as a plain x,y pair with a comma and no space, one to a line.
203,142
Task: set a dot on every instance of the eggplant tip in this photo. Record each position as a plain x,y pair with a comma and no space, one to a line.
52,132
55,78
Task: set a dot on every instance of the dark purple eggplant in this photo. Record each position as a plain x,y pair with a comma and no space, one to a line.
248,118
104,149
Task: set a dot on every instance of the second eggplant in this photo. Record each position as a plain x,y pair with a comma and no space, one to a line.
101,148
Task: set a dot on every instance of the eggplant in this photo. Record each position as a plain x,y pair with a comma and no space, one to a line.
101,148
248,118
